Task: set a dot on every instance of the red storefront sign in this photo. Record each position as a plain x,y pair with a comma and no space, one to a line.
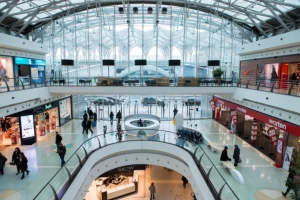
286,126
272,134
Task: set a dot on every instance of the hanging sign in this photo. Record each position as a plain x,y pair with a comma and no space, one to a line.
272,134
279,153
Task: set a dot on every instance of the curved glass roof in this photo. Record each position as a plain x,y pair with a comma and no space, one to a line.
261,17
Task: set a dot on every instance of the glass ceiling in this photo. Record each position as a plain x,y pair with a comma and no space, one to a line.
251,13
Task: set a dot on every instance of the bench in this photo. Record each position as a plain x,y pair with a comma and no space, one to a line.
61,81
235,173
214,146
84,81
150,82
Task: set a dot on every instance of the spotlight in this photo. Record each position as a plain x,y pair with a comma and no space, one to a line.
121,10
135,10
164,10
150,10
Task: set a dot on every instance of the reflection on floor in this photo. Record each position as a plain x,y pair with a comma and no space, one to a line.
43,162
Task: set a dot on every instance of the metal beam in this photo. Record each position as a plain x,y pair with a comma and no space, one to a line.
41,31
28,22
256,25
244,33
11,6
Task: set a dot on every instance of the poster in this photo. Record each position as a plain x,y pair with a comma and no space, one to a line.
287,158
279,153
212,104
6,69
27,125
268,73
272,134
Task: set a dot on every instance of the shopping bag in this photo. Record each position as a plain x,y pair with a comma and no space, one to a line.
240,160
174,121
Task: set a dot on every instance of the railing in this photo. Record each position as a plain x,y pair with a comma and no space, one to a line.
275,86
60,182
141,116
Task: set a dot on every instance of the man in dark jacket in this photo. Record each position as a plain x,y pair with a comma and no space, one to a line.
23,164
84,126
289,182
88,127
224,156
175,111
119,116
85,116
3,159
58,140
62,152
184,181
16,159
236,155
111,117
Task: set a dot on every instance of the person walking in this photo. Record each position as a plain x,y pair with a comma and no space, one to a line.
16,159
111,117
84,126
62,152
163,106
85,115
58,140
119,116
236,155
3,159
23,165
184,181
289,182
152,191
224,156
88,126
175,111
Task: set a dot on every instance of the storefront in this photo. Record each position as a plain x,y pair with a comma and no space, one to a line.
268,70
25,127
6,70
27,68
262,131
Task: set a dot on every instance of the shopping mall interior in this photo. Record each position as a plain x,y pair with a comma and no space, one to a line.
135,100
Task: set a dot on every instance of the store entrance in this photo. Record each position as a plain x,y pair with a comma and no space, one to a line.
24,73
46,122
9,131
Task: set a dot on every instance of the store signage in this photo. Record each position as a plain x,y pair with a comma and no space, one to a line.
48,106
272,133
277,124
28,61
287,158
125,169
212,104
27,126
286,126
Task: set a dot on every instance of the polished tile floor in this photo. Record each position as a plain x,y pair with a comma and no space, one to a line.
258,171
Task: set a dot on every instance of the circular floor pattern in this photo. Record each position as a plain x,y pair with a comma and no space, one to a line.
269,195
10,195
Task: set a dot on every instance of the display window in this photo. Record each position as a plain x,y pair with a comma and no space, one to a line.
46,122
10,131
268,73
65,111
6,70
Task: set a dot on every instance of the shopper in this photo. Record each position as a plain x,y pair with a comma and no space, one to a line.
58,140
23,164
152,191
119,116
16,159
184,181
111,117
62,152
236,155
88,126
84,126
224,156
163,106
289,182
3,159
175,111
140,123
85,115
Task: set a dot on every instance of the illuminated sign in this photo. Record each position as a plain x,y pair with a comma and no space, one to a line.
48,106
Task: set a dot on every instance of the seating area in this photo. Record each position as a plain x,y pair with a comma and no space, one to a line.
108,81
59,81
214,82
190,81
150,82
85,81
162,81
190,134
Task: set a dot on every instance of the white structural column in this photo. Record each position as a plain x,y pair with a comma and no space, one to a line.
100,40
128,42
115,43
156,38
197,46
184,53
88,44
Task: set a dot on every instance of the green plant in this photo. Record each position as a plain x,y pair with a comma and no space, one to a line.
217,73
294,181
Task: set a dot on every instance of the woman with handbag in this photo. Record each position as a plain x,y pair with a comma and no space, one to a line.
236,155
16,159
23,164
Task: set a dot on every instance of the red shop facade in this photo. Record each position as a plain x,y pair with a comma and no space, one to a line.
266,133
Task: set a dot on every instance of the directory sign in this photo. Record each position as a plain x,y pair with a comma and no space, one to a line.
27,125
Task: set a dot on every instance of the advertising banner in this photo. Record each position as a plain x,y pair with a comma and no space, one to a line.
27,126
272,133
233,116
287,158
278,123
279,153
212,104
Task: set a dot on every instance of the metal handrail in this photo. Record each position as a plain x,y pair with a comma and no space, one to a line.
59,194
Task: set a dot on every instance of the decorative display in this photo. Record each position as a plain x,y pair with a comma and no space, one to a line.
233,116
272,134
254,132
287,158
212,104
279,153
27,126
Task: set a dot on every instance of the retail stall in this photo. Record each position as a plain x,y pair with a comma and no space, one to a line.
260,130
6,70
65,110
115,183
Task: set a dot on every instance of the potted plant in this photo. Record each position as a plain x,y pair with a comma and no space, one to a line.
217,73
